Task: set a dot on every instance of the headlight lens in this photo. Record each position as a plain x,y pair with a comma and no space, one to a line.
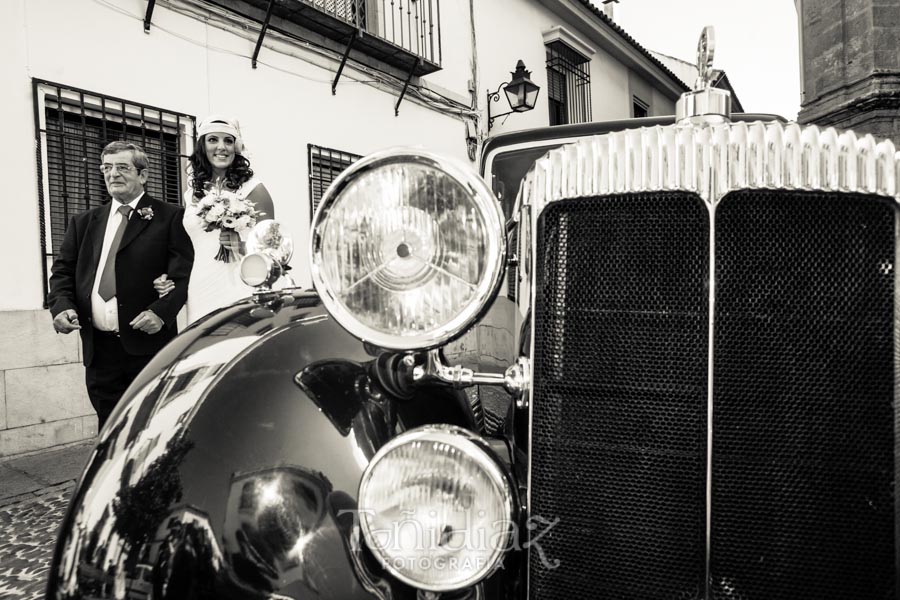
407,249
268,251
259,270
436,508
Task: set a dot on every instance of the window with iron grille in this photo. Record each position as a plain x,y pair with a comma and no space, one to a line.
569,84
73,126
325,164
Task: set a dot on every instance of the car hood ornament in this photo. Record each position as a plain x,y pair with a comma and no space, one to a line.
705,103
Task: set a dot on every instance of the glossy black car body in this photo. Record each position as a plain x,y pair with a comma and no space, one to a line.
691,430
232,468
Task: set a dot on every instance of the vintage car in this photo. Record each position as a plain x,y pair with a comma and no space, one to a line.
649,359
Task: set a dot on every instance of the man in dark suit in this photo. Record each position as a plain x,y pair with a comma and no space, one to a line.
102,280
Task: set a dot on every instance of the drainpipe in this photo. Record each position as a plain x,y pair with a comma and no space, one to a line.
472,125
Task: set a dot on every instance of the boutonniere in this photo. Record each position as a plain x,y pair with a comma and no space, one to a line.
146,213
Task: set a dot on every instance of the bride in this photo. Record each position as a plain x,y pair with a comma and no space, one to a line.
217,163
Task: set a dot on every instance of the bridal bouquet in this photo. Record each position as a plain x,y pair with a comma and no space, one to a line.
224,210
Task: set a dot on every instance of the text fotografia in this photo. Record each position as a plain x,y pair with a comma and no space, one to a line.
427,542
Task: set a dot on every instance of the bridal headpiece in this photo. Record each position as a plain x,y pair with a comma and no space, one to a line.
222,124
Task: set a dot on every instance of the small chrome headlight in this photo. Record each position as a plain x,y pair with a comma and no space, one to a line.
259,269
268,252
436,508
407,249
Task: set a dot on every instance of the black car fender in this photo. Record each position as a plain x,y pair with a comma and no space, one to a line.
231,466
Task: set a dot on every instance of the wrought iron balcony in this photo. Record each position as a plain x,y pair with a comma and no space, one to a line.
402,33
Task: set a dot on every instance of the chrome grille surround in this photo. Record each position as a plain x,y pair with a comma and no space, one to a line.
709,160
712,160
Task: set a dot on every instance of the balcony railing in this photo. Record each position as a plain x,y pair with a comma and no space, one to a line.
402,33
413,25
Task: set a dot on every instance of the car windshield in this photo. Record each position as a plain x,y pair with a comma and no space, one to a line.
508,170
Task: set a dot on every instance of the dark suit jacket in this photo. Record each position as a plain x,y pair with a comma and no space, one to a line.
148,249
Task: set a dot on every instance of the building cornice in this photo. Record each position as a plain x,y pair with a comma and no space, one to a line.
562,34
879,91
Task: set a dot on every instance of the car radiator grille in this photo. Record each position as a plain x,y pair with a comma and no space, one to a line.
803,470
619,407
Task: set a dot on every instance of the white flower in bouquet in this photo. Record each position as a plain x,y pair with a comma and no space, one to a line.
236,205
224,210
244,223
215,211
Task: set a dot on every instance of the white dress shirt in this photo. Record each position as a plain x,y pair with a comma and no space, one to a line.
105,313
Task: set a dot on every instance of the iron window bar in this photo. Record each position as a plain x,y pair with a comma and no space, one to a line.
72,126
325,164
569,84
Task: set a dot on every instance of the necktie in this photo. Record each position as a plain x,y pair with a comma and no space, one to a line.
107,287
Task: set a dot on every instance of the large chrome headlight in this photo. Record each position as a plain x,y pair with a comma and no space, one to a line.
436,508
407,249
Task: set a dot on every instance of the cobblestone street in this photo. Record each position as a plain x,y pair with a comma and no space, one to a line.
34,494
27,535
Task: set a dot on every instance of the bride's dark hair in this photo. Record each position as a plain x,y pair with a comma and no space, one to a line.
200,170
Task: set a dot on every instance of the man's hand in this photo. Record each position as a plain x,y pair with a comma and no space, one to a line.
66,321
147,322
163,285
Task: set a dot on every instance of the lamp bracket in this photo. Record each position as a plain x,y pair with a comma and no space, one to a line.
495,97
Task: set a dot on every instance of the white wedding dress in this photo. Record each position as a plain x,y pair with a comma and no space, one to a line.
213,283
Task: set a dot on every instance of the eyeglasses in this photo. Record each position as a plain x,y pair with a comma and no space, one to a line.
106,168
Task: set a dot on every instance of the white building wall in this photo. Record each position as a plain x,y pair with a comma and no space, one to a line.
184,65
661,105
508,31
189,66
190,62
20,260
513,30
456,48
609,96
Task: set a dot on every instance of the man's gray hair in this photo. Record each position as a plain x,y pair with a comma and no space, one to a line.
140,157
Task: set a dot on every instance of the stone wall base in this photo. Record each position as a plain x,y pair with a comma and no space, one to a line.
43,399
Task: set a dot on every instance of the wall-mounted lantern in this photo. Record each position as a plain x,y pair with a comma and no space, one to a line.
521,93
